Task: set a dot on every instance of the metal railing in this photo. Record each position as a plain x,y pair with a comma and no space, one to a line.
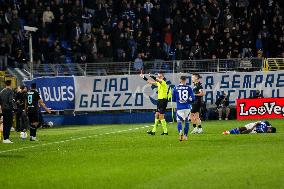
128,68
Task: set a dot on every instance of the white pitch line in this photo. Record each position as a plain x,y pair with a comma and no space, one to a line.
71,139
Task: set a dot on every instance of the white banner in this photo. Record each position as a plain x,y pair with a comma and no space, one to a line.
132,92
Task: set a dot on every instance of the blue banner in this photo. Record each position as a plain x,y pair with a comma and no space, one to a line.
58,93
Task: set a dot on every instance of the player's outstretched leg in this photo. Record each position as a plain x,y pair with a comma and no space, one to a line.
233,131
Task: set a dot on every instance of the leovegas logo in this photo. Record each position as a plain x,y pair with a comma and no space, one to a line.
260,108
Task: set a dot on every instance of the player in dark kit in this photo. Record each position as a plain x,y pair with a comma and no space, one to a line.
33,102
197,104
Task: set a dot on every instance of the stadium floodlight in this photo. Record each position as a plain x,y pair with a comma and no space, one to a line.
30,30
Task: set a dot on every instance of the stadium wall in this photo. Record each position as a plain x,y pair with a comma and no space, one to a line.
122,117
101,118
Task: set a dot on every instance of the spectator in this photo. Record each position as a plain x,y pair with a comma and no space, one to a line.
157,17
222,104
92,49
258,43
20,58
61,25
33,18
196,51
206,29
77,31
86,17
8,40
148,6
168,39
158,52
107,52
9,16
77,9
179,51
132,47
257,94
4,50
47,19
147,52
138,63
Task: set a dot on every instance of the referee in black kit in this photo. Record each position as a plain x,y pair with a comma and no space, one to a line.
6,102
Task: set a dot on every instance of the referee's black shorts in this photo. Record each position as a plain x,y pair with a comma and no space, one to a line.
33,115
196,108
162,106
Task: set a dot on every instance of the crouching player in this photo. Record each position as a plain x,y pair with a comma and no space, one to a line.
183,96
255,127
32,104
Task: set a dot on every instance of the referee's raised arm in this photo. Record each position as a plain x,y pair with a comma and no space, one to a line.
146,79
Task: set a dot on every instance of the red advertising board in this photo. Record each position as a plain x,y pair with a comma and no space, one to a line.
260,108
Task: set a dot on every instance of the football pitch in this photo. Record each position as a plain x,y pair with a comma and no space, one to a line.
124,156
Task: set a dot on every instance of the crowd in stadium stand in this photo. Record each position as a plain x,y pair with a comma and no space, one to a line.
139,30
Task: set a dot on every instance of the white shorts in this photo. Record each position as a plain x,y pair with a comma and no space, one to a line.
250,125
183,115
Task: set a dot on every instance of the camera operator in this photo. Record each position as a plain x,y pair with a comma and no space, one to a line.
257,94
222,104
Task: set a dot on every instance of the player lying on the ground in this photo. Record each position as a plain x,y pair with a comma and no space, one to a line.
183,96
255,127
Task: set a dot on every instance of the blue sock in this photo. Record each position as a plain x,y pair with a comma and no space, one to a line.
235,131
186,128
179,127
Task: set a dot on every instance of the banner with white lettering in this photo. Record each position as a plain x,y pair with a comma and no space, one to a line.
58,93
132,92
113,93
260,108
239,85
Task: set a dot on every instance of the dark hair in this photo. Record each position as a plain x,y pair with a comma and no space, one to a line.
273,130
22,87
183,78
161,73
266,122
8,82
33,86
197,75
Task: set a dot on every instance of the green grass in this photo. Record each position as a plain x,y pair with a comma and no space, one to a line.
132,159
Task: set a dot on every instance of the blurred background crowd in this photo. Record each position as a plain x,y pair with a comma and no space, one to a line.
128,30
